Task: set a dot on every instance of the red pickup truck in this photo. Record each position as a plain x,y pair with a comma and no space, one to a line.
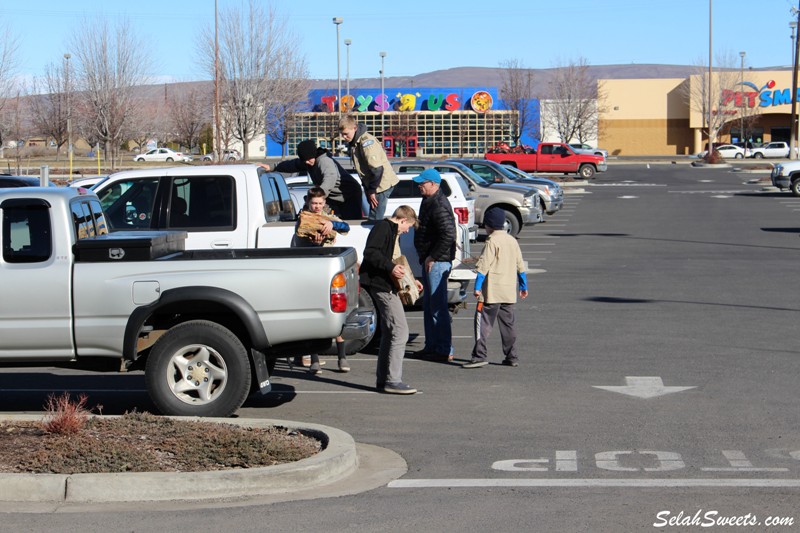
550,157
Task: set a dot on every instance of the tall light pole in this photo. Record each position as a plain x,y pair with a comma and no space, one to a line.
338,22
347,43
217,109
69,112
710,81
793,126
383,56
741,111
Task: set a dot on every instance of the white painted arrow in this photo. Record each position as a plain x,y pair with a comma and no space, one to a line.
643,387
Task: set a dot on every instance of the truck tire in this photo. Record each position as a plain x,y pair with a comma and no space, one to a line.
196,346
511,224
795,187
586,171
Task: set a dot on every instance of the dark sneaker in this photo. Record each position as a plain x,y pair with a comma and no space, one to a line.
510,362
420,354
475,363
344,366
398,388
315,368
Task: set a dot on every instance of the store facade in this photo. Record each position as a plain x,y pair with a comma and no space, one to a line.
416,122
667,116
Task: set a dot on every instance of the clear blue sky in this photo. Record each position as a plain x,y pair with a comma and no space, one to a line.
422,36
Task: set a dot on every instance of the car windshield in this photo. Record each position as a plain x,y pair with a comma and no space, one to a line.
471,174
516,174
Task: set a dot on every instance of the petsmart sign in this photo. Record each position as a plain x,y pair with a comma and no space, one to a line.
475,99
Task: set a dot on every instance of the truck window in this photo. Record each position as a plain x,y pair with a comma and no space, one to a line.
202,203
129,203
26,233
278,204
82,219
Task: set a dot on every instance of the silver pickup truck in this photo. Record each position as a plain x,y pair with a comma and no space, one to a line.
205,325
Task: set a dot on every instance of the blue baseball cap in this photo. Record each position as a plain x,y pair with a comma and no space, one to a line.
430,174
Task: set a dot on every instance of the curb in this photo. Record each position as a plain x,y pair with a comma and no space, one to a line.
336,461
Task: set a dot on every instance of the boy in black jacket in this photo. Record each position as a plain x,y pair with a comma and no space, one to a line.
378,273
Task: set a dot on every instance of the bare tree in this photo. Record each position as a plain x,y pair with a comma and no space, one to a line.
48,104
722,86
111,63
257,54
9,45
516,93
574,103
288,97
188,118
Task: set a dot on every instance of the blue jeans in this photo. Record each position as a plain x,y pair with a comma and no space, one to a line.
438,333
377,213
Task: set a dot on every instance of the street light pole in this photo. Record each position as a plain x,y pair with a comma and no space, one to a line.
337,21
383,56
710,81
793,128
347,43
218,151
741,110
69,112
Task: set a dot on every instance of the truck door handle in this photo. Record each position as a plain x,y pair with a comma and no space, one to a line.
220,244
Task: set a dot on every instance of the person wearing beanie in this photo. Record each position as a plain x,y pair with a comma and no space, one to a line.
435,242
371,163
500,269
343,193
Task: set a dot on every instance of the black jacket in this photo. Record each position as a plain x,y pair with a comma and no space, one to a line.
376,268
435,235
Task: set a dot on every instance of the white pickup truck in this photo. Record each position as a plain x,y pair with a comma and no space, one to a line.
206,326
238,206
787,176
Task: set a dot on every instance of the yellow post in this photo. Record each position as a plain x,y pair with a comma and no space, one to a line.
98,160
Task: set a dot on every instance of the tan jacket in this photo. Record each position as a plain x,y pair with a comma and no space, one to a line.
500,261
368,154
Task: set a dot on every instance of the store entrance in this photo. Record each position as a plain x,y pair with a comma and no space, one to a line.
779,134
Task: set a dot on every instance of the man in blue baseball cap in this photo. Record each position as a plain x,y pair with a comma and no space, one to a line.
435,241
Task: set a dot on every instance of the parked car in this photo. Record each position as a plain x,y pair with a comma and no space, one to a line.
787,176
521,204
586,148
227,155
87,183
773,149
551,192
162,154
8,181
494,172
406,193
728,151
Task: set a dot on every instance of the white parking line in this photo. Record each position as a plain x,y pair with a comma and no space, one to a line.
616,483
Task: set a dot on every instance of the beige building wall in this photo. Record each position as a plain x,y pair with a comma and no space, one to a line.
645,117
663,116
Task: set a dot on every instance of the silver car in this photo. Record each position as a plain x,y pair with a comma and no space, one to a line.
551,192
521,204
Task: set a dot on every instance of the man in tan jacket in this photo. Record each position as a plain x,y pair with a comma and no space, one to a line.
500,268
371,163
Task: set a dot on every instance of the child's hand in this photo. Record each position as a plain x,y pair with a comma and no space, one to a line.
523,294
419,286
326,228
478,294
398,271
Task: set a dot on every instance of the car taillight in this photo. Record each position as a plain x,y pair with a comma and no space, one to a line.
339,293
462,213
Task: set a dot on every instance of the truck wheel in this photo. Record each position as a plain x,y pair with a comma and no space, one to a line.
795,187
511,224
198,368
586,171
758,155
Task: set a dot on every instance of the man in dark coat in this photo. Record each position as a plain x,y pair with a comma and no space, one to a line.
435,242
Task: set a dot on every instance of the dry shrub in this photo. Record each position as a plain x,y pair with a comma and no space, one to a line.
63,416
